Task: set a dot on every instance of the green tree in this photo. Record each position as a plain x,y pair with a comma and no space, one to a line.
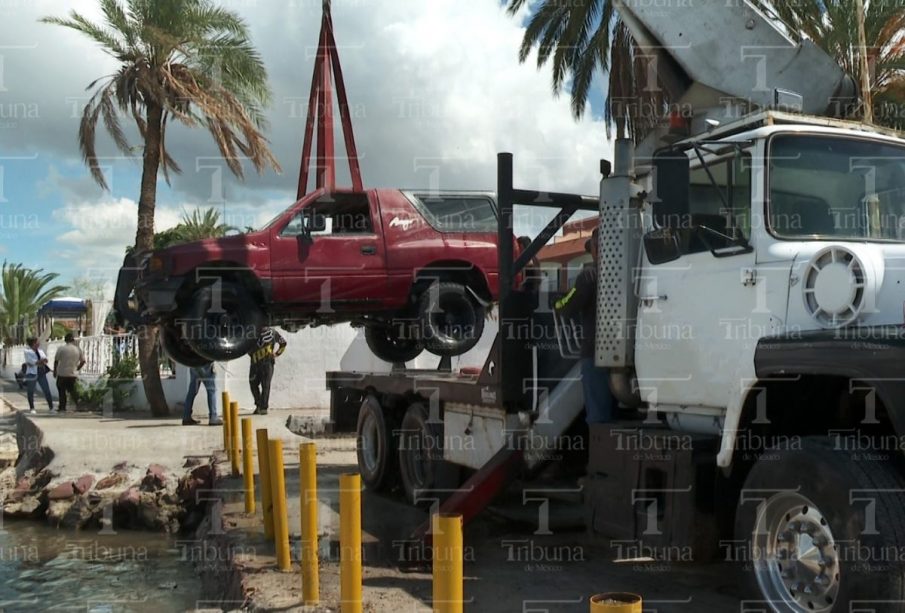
180,60
202,224
24,291
833,26
584,40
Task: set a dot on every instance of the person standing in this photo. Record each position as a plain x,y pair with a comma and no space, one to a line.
580,304
198,375
36,373
67,363
263,357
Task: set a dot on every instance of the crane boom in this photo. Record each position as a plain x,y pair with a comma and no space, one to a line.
719,56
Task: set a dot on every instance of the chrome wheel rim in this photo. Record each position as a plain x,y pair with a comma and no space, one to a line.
795,555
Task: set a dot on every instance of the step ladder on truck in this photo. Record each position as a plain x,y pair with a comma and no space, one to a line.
750,314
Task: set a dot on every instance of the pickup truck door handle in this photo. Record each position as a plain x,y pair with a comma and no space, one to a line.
369,250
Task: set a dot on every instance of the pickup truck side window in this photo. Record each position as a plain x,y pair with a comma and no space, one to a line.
453,213
333,215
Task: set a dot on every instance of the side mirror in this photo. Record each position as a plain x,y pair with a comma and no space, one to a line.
662,246
672,186
317,222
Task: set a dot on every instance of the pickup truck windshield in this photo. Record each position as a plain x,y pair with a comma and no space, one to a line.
836,187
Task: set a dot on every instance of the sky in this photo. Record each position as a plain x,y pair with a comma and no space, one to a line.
435,87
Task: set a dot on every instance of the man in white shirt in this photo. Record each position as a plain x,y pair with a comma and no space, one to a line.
66,364
36,373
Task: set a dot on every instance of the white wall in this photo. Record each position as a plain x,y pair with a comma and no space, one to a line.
299,379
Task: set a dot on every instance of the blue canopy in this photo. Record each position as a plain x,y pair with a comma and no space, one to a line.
64,307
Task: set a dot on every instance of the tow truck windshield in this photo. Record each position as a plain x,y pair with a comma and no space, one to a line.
836,187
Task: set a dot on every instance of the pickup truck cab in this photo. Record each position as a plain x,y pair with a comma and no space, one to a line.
416,269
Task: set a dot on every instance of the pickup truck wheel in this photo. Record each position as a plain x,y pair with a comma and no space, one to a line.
175,346
426,476
390,345
375,447
223,322
451,319
817,525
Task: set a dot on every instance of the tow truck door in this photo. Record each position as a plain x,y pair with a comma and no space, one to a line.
330,253
699,314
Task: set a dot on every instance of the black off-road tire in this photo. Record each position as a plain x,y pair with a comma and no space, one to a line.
387,343
228,333
426,476
855,497
375,446
452,320
175,346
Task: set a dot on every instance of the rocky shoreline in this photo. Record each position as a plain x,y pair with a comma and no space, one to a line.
126,496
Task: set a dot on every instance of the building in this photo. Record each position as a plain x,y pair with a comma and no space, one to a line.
562,259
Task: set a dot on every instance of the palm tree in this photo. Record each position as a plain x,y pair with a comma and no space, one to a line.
24,291
584,40
182,60
833,25
201,225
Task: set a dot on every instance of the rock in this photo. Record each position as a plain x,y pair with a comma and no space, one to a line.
29,506
155,478
189,462
83,484
63,491
130,497
57,510
111,480
120,466
305,425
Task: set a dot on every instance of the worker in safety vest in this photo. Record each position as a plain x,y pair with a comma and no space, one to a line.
580,306
263,356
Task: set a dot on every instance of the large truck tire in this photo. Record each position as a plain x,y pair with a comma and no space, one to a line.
223,321
426,476
175,346
375,446
452,320
816,526
388,343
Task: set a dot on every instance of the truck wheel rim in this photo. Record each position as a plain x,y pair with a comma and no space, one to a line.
795,555
370,444
454,319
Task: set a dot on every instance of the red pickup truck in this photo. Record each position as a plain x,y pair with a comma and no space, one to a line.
416,269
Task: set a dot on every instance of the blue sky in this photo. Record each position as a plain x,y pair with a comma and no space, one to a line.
435,87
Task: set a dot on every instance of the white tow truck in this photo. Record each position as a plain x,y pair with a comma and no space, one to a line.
751,313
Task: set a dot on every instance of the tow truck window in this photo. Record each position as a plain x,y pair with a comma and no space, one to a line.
719,209
333,215
843,188
459,213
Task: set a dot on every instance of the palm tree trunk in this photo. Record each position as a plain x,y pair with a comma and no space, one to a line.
144,240
864,66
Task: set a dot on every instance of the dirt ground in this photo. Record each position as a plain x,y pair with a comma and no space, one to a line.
517,558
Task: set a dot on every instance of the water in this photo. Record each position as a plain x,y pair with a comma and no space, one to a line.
43,569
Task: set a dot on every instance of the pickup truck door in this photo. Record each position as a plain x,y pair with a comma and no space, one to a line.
330,253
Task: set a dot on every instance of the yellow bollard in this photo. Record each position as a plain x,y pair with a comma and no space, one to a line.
278,493
264,476
248,469
234,437
308,482
225,416
447,539
350,543
616,602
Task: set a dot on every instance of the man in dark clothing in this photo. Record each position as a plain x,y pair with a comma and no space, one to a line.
260,373
580,304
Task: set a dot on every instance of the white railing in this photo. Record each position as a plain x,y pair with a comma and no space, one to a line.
100,353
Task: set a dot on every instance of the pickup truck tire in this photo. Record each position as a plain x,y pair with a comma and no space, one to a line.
375,447
175,346
227,333
426,476
452,321
816,526
387,343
